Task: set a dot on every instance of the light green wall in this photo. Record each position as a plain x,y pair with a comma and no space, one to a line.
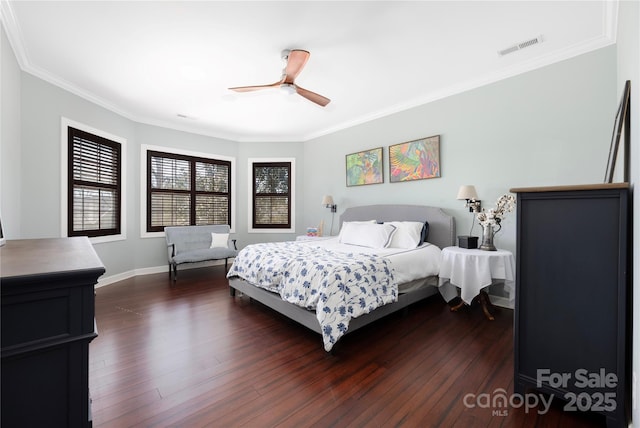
42,106
10,153
551,126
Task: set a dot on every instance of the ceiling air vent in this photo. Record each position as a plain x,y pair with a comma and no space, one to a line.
519,46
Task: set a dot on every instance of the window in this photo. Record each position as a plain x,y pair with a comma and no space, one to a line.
94,194
272,195
185,190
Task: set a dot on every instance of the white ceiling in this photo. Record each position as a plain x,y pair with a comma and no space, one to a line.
154,60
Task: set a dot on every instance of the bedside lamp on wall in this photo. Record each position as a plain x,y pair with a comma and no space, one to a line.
327,202
468,193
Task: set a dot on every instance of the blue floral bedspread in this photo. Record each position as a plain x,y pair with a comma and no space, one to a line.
338,286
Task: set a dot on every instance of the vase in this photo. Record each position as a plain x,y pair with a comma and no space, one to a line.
487,238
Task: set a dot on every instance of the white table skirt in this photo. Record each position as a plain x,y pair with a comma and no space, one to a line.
472,270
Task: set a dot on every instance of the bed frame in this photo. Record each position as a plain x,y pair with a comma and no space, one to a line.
442,232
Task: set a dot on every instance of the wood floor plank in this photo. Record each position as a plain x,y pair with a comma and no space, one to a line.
187,354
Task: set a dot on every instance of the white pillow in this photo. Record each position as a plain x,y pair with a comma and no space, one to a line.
371,235
345,223
219,240
407,234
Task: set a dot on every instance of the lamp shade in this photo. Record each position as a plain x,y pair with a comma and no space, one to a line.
467,192
327,200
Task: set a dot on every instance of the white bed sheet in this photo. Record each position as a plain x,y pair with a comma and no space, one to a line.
408,264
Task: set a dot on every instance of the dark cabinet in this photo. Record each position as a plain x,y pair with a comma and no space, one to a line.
47,323
572,319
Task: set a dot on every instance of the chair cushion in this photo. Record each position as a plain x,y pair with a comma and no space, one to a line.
204,254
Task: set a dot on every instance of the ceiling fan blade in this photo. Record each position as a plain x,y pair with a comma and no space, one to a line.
312,96
255,88
295,63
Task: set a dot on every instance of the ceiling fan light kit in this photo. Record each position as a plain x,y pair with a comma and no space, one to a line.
295,61
288,88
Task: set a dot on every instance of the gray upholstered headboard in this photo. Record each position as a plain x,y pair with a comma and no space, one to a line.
442,226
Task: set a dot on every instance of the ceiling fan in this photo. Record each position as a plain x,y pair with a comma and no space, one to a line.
296,59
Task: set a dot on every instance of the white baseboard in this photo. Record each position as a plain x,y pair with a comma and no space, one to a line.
108,280
503,302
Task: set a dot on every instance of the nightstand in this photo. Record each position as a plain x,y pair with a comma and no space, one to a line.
311,238
472,270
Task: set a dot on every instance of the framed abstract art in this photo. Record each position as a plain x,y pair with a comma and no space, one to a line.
365,167
415,160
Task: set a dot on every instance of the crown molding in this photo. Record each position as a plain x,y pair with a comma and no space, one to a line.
12,29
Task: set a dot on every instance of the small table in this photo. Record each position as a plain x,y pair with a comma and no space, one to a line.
311,238
472,270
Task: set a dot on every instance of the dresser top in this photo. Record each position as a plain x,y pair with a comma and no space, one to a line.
570,188
34,257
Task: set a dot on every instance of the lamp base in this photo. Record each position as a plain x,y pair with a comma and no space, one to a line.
488,247
465,241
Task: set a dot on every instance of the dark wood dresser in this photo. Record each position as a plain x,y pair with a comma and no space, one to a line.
47,323
572,319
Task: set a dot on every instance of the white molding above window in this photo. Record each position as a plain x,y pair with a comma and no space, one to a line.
65,123
250,228
144,148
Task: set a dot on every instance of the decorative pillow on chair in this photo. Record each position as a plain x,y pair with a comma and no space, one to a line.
219,240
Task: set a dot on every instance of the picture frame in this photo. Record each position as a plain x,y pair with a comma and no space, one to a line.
415,160
365,167
621,127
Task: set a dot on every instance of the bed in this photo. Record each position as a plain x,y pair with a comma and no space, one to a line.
385,295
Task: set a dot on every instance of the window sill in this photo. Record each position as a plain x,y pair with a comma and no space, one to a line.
271,230
105,239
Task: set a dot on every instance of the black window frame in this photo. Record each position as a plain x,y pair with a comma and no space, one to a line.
192,191
256,196
72,182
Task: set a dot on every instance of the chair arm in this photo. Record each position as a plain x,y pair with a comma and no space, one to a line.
173,249
235,247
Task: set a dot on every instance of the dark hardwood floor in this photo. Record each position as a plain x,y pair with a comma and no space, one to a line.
189,355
